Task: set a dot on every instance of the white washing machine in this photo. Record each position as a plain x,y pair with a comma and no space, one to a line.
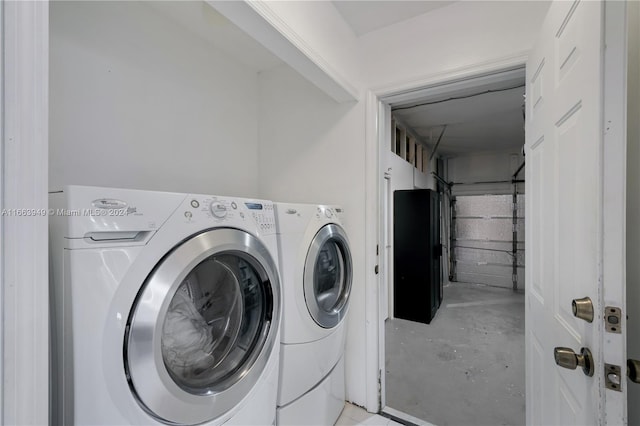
316,271
166,308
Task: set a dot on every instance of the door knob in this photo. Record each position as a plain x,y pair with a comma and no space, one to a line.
567,358
583,309
633,370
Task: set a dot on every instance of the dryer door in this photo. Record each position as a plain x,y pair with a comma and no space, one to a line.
327,276
203,326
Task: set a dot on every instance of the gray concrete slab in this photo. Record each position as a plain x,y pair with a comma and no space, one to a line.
467,366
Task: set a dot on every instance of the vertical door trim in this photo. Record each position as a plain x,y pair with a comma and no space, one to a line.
613,195
374,364
24,181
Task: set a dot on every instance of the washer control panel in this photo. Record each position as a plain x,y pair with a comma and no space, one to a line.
231,211
263,214
218,209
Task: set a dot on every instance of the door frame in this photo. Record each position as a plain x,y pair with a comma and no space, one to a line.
613,192
24,300
376,145
613,189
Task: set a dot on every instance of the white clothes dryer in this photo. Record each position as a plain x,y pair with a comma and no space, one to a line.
316,271
166,308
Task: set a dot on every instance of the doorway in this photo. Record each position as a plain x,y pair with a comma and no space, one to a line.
467,365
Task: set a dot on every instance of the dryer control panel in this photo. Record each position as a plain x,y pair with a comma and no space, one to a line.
329,213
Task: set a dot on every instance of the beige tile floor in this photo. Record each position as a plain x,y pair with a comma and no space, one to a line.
353,415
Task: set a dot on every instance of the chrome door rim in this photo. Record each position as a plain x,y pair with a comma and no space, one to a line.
148,377
323,318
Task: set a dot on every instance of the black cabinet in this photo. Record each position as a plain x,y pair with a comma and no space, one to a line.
417,287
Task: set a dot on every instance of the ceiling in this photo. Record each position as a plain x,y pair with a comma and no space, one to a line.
481,121
364,16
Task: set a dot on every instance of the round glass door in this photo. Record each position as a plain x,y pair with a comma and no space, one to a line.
203,327
213,323
327,276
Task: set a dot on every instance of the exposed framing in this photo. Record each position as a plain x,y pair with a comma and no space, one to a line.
406,144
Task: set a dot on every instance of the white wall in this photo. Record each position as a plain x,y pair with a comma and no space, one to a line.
138,101
486,167
312,151
454,37
310,146
633,205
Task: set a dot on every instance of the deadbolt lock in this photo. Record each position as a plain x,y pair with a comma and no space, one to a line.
583,309
567,358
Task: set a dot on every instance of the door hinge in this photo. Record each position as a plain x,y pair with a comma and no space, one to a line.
613,319
612,378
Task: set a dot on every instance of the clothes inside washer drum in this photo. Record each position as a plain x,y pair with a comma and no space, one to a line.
202,324
187,341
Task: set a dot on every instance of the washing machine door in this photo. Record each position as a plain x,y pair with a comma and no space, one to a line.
203,327
327,276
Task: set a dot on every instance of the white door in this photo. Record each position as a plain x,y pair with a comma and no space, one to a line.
574,186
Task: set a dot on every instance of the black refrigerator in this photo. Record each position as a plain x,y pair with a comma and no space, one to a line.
417,287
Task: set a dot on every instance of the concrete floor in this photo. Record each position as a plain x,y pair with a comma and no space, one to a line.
467,366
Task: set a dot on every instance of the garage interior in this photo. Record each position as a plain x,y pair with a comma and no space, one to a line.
467,365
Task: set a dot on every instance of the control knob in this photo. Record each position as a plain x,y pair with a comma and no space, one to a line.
218,210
